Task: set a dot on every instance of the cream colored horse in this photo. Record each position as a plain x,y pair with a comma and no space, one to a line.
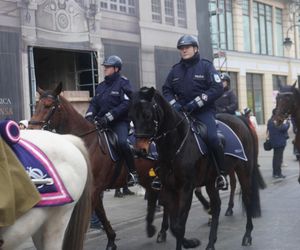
57,227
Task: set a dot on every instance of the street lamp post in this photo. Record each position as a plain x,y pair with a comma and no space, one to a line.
287,40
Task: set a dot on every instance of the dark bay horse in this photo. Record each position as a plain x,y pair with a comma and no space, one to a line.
288,104
183,168
54,112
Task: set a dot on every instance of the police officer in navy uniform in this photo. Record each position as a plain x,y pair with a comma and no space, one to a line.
227,103
109,107
193,85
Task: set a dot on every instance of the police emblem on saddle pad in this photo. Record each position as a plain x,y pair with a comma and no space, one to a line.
39,168
232,145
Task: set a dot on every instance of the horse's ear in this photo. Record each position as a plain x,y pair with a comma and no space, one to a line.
58,89
40,91
151,92
147,93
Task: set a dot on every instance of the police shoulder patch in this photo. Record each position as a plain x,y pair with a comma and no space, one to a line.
217,78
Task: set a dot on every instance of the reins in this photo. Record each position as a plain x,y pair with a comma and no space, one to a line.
156,122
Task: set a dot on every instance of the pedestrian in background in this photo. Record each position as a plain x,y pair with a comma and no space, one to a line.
278,136
227,103
23,124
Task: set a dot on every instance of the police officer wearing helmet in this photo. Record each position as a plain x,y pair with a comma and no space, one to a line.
193,85
227,103
109,107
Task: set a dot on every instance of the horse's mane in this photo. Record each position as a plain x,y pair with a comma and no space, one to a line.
69,107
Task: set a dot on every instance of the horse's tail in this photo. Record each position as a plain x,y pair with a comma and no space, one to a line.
79,221
257,181
260,180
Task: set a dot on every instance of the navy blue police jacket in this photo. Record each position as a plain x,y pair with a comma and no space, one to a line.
227,103
191,78
112,95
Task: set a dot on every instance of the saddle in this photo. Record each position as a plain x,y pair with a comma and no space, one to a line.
230,141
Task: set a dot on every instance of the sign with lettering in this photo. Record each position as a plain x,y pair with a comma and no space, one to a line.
10,85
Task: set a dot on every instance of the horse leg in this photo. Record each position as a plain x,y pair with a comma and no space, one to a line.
229,211
111,235
51,234
151,204
247,196
32,221
179,205
162,235
215,204
204,203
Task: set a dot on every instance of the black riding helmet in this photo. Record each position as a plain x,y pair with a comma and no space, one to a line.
225,77
113,61
187,40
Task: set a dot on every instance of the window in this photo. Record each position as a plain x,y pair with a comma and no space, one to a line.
221,24
181,13
255,96
156,11
279,32
246,26
123,6
262,15
170,12
278,80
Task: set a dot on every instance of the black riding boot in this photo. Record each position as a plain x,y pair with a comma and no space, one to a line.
129,161
221,181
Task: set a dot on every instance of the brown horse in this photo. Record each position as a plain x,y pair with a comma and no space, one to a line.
54,112
288,104
183,167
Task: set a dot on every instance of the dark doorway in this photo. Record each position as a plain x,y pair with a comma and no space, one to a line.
77,70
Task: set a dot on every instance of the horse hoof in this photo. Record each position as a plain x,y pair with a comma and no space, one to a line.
299,180
161,237
229,212
151,230
190,243
247,241
111,246
210,248
209,222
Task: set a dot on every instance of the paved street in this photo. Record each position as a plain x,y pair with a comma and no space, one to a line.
277,229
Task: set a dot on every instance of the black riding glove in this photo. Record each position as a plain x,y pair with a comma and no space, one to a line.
103,122
90,119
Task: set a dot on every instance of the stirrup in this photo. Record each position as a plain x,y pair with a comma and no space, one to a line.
132,180
156,184
221,183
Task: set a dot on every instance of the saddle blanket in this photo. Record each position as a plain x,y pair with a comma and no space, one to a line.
233,145
37,165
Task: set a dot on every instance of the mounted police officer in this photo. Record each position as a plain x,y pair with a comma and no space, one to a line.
109,107
193,85
227,103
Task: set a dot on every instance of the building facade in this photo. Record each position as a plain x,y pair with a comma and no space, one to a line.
43,42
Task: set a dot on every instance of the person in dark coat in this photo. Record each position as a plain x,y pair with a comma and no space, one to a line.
227,103
193,85
109,107
278,136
